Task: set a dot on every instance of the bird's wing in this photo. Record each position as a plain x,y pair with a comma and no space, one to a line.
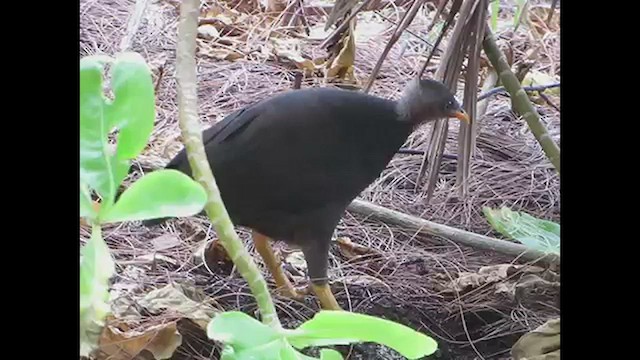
224,129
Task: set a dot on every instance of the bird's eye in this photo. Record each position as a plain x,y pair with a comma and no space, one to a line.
449,104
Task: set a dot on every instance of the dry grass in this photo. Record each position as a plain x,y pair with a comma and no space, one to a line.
405,281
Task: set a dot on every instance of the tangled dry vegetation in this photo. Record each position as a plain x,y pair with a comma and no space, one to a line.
473,302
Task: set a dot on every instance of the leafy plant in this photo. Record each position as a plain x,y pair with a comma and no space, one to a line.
103,167
534,233
169,193
495,9
246,338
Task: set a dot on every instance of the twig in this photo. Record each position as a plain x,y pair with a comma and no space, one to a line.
456,235
448,71
455,7
421,152
343,26
519,100
192,138
133,24
502,90
404,23
554,3
407,30
160,75
548,101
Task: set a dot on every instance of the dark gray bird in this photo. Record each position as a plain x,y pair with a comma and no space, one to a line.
288,166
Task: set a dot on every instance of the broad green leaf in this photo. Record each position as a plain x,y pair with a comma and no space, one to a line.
160,194
520,8
536,78
132,112
343,327
277,349
86,204
133,108
330,354
240,331
495,9
96,166
96,267
534,233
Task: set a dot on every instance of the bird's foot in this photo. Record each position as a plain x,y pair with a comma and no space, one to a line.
292,293
324,294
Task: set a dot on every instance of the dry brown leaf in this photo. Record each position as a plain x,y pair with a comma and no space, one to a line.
489,275
297,260
213,253
173,299
290,49
542,343
165,242
208,32
341,65
222,54
537,20
119,342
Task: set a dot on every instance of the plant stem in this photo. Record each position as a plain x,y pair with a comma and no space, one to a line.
192,135
519,100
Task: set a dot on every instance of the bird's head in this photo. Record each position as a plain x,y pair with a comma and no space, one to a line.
428,100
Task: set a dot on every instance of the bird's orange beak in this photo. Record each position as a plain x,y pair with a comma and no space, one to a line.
461,115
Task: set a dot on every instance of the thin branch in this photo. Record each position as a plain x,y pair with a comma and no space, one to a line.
133,24
345,24
502,90
455,7
192,135
427,42
404,23
463,237
519,100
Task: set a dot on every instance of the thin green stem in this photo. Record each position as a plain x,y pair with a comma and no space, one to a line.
520,100
192,135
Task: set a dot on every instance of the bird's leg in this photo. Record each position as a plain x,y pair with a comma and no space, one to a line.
274,265
317,256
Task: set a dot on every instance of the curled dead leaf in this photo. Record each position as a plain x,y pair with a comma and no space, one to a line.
208,32
222,54
340,64
174,300
165,242
119,342
297,260
488,275
290,49
543,343
537,19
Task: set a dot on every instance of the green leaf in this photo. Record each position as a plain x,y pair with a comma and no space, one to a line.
330,354
96,167
343,327
86,204
132,111
495,9
277,349
96,267
535,77
133,107
240,331
520,7
534,233
160,194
